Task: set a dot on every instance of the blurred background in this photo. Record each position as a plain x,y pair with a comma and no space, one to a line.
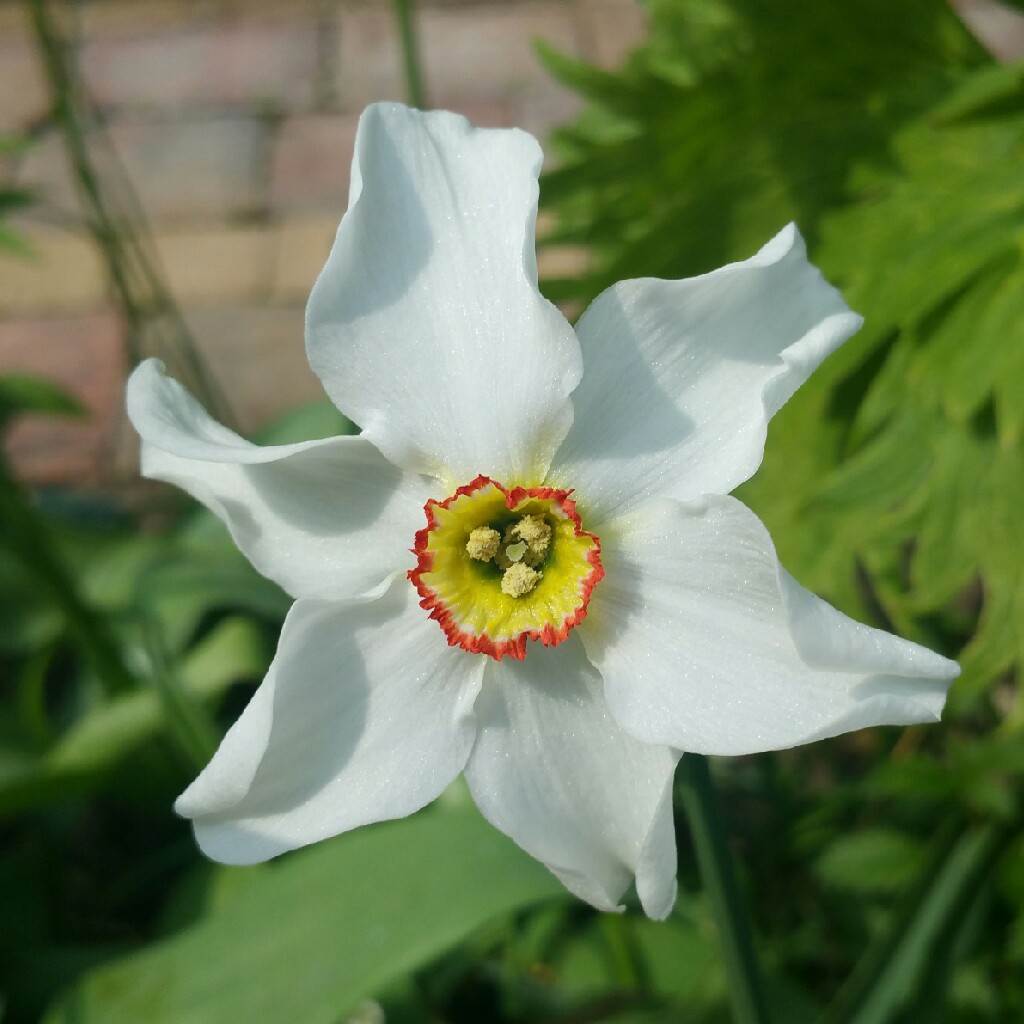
171,176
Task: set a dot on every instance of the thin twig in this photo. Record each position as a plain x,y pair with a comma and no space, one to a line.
117,224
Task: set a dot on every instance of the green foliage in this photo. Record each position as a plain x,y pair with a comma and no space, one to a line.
738,117
896,143
871,862
12,200
893,482
883,871
349,917
20,394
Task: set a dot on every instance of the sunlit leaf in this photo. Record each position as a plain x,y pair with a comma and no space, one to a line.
327,928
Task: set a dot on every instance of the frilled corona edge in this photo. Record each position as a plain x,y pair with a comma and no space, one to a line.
465,596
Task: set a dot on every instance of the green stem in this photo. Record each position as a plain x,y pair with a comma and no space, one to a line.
28,538
414,90
187,719
892,971
716,870
629,966
119,229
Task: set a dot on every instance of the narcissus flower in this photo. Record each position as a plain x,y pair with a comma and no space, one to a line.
526,567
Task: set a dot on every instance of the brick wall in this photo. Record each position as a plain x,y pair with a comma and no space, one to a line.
235,124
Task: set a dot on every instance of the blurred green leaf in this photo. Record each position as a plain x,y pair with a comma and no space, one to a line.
895,141
14,242
893,481
872,861
892,971
14,199
681,964
328,927
305,423
21,394
737,117
13,144
29,620
233,651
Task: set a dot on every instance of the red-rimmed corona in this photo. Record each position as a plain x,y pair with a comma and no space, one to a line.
498,566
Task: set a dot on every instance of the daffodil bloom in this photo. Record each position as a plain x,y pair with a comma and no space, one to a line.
526,567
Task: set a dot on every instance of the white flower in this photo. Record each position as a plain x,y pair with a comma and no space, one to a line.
427,329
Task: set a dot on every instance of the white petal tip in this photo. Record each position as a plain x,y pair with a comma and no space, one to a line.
232,843
142,381
658,905
778,247
191,803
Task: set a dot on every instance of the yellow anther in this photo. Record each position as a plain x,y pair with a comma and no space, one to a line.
519,580
483,543
535,531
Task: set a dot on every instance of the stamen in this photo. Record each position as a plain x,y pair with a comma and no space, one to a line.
519,580
537,534
483,543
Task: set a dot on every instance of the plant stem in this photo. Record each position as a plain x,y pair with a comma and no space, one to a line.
187,719
118,227
716,870
892,971
629,967
414,91
28,538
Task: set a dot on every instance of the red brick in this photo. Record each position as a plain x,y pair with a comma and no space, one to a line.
84,355
543,109
301,247
610,29
478,60
488,51
44,169
196,167
252,61
182,167
484,113
131,17
64,271
24,95
369,59
217,263
257,354
312,155
117,17
483,52
485,56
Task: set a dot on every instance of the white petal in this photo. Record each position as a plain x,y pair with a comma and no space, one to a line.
551,769
326,519
681,377
365,714
707,644
426,325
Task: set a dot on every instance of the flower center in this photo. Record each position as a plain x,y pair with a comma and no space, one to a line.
497,567
518,553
